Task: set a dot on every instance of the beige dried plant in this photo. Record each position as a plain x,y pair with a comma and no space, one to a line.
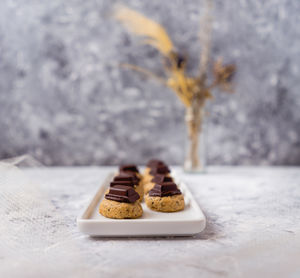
193,91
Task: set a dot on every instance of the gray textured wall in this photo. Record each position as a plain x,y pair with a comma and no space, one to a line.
64,100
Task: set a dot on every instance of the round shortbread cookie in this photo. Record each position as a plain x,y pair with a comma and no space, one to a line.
165,204
118,210
148,186
140,190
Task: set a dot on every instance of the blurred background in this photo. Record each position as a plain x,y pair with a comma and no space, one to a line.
65,100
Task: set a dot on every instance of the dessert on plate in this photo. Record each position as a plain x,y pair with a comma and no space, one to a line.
121,202
165,197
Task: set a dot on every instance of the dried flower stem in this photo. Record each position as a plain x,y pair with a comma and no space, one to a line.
192,91
145,72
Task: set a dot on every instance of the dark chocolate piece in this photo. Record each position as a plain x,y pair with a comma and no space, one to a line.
162,169
122,193
164,189
127,176
154,163
160,178
129,168
126,183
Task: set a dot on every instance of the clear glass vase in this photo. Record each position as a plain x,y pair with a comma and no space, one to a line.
195,143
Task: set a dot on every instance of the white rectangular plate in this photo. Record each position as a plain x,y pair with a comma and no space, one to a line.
188,222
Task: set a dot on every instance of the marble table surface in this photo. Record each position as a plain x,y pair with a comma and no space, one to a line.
253,228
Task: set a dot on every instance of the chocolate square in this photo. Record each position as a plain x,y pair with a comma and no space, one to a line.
154,163
164,189
129,168
127,176
126,183
160,178
122,193
161,169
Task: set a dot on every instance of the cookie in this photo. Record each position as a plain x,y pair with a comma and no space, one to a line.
117,210
145,175
165,204
146,171
148,186
146,178
140,190
121,202
165,196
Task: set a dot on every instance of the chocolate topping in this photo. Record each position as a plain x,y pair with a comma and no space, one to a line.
126,183
122,193
129,168
154,163
164,189
160,178
127,176
161,169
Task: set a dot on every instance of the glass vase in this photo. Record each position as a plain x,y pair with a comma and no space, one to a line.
195,143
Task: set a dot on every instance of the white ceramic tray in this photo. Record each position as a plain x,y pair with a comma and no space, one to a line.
188,222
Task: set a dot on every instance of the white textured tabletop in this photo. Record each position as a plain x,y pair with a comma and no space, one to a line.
253,227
